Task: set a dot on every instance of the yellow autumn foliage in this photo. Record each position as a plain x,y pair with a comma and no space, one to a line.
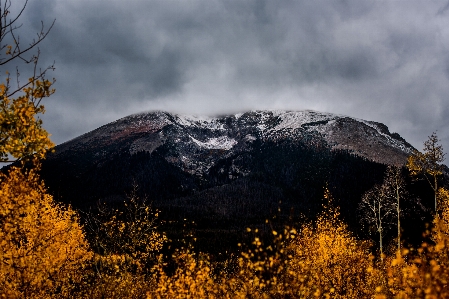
329,261
422,272
126,246
44,254
130,232
42,246
192,278
21,133
321,260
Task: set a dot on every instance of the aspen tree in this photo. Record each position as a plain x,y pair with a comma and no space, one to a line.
21,133
421,272
395,184
42,245
428,163
376,210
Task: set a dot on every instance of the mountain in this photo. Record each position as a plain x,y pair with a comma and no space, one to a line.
227,172
231,134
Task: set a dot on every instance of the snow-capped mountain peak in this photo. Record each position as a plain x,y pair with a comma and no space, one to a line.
196,143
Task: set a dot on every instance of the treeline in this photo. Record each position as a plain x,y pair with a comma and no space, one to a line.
290,171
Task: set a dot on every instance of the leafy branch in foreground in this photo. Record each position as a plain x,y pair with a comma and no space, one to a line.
21,131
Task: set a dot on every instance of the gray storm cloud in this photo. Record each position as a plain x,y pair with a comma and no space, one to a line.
386,61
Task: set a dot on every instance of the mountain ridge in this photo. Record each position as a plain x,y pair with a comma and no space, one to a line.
268,124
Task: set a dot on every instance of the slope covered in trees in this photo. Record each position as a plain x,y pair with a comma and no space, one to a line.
282,179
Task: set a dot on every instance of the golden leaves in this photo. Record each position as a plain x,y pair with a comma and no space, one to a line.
193,278
43,246
21,131
320,260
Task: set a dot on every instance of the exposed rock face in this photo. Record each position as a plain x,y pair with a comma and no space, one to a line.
370,140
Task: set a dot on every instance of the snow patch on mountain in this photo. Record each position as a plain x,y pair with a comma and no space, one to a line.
199,121
296,119
222,142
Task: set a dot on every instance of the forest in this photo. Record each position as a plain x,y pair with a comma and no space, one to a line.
122,253
49,249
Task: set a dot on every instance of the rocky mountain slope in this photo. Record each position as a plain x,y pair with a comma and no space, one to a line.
193,136
227,172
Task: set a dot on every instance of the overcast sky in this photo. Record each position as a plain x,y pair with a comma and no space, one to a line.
385,61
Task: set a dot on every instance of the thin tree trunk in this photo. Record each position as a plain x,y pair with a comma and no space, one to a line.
399,214
380,239
380,234
435,190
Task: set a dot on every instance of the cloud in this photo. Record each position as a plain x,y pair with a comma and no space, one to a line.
385,61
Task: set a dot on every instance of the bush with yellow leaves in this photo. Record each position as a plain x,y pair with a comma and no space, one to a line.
21,133
192,278
42,246
328,260
127,247
322,259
